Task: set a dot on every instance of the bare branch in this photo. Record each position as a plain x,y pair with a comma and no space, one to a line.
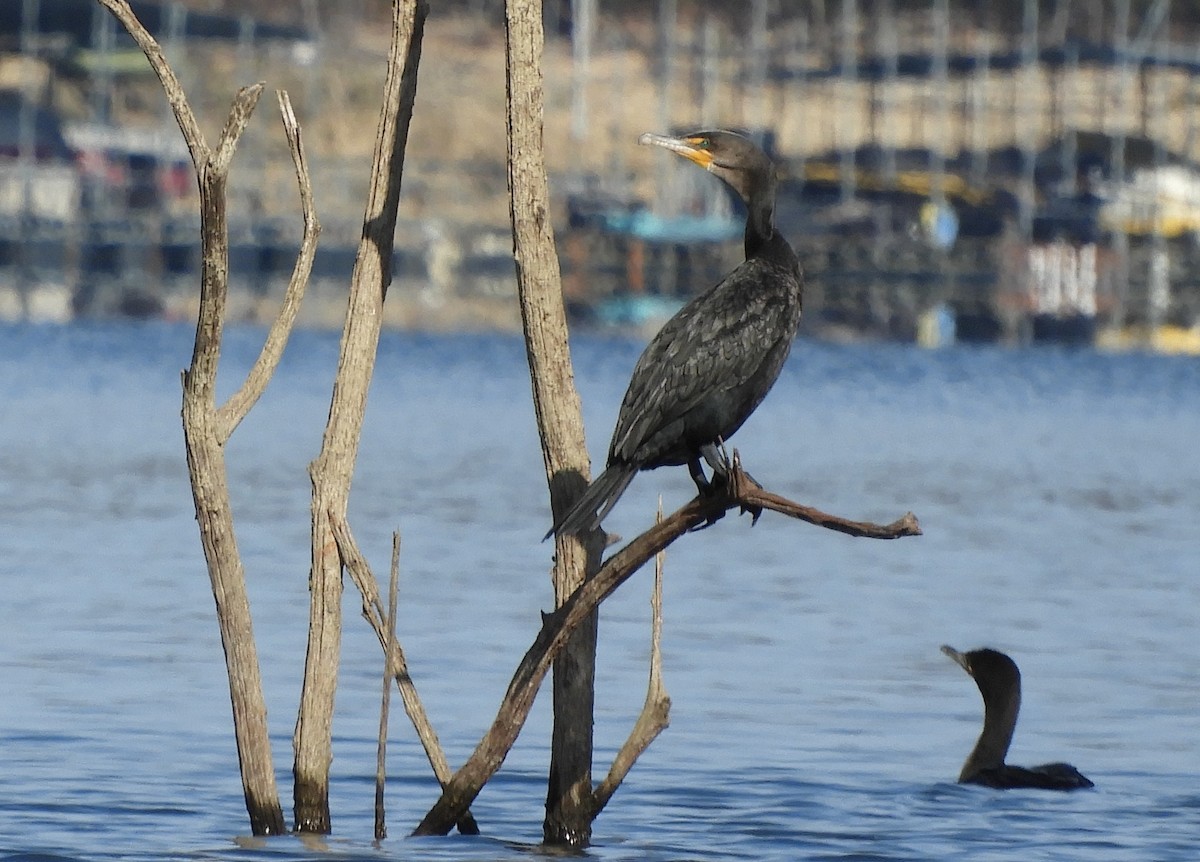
213,175
240,403
656,711
739,492
384,708
192,135
332,470
557,410
751,497
372,610
243,107
204,441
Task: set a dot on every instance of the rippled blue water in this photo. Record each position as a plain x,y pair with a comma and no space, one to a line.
813,715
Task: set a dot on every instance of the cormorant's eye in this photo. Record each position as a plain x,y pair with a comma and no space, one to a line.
703,143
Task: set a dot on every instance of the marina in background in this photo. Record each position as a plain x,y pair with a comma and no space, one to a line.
1028,175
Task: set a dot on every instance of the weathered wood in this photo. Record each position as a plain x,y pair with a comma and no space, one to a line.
559,418
372,609
389,672
240,403
207,428
331,472
210,492
740,492
656,711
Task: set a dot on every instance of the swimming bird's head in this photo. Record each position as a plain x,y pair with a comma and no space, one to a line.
995,673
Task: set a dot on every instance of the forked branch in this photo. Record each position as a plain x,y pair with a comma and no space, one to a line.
206,429
239,404
333,469
740,492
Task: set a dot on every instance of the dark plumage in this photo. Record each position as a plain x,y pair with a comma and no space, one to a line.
999,682
713,362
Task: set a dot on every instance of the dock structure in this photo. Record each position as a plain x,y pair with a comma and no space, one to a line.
1027,170
1006,171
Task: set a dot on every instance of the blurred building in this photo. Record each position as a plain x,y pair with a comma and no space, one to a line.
999,165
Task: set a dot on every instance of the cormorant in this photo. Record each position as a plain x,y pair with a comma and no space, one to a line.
999,682
712,363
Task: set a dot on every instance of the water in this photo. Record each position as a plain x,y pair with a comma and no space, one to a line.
813,715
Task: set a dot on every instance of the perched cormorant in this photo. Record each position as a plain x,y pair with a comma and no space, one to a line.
713,362
999,682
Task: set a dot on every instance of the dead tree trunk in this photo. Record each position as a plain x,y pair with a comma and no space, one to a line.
207,428
333,468
560,423
205,444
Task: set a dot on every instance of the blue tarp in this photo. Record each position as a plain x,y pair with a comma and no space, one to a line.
644,224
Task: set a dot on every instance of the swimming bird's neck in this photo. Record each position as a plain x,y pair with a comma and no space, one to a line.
999,722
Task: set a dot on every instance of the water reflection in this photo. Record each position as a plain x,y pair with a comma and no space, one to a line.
813,715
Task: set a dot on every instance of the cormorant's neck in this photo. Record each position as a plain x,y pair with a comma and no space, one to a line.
999,722
760,220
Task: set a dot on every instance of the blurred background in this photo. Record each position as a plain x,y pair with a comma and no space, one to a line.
1013,171
950,172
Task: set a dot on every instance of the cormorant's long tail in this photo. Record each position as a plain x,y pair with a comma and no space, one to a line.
601,495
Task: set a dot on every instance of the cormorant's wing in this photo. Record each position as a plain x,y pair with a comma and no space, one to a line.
718,342
1061,776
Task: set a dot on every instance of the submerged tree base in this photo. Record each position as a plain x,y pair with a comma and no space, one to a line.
311,799
741,492
266,816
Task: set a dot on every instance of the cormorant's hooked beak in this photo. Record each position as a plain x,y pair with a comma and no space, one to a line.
686,147
958,657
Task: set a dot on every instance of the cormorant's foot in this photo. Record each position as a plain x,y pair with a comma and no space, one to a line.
718,459
715,487
722,484
703,486
755,511
712,519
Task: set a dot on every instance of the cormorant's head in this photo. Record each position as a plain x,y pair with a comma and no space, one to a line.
995,673
733,157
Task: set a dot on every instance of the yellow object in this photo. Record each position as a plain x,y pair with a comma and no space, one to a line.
1176,340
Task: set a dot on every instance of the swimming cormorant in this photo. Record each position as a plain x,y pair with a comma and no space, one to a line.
999,682
712,363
